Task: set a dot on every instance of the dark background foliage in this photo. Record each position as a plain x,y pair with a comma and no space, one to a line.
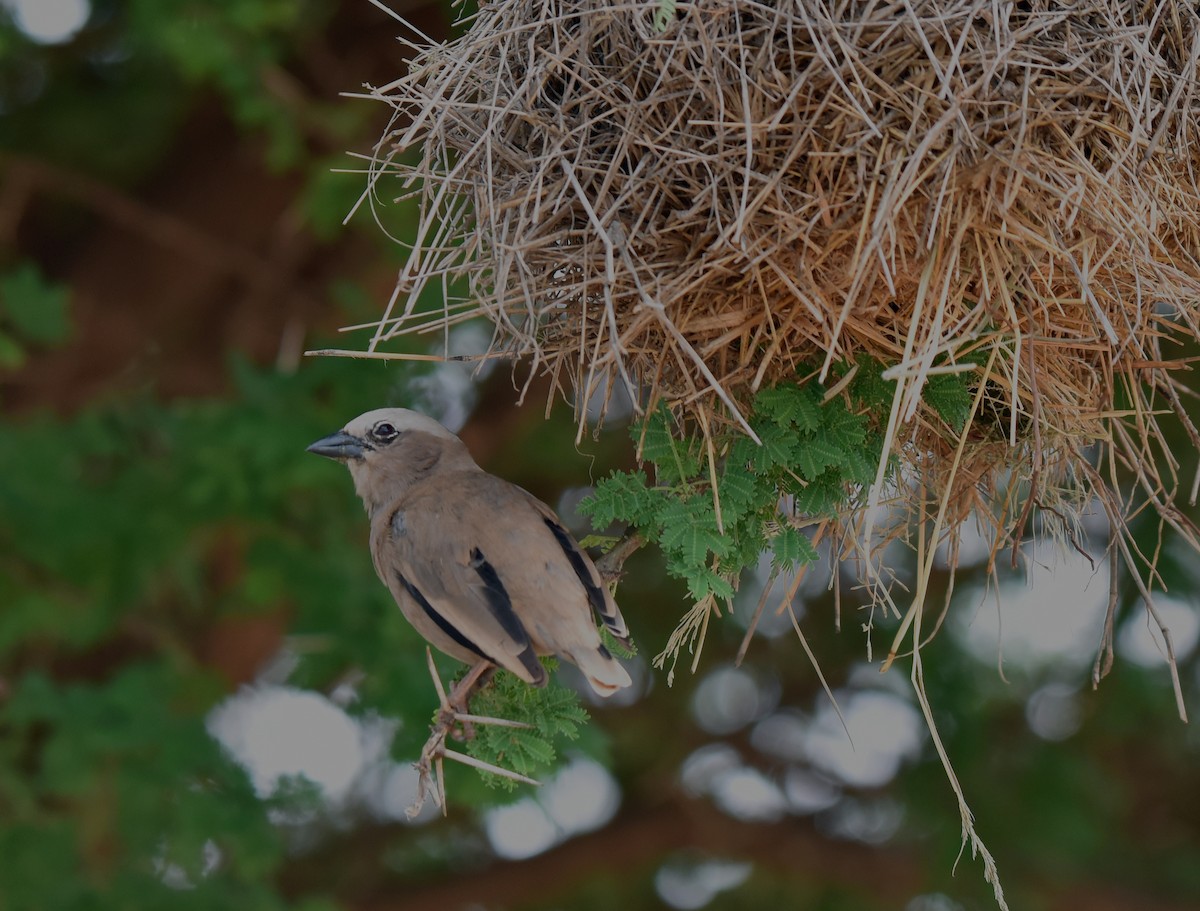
170,242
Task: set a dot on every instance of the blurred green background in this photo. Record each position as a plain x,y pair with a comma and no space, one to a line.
207,700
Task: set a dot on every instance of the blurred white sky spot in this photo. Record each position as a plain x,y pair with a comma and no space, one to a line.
49,21
771,624
1053,711
729,698
870,821
933,901
567,508
581,797
703,766
885,731
398,792
973,547
447,393
1057,614
745,793
689,885
174,876
807,792
345,692
1141,641
864,675
616,406
781,734
275,731
520,830
717,771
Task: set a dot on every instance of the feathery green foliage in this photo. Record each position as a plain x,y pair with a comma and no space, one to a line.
815,459
552,712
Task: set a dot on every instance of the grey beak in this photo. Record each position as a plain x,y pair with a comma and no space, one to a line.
340,446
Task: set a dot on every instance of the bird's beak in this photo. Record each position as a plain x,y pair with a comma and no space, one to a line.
340,446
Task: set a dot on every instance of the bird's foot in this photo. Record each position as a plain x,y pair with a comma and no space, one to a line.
454,713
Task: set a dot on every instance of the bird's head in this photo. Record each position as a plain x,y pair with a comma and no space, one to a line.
387,450
383,430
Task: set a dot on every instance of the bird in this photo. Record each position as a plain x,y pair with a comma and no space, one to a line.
481,568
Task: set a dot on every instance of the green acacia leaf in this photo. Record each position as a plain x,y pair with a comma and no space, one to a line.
791,549
691,542
739,495
841,427
860,465
701,580
664,14
790,404
868,386
815,455
689,528
624,496
746,545
808,409
778,449
674,459
950,395
742,452
554,716
779,403
822,497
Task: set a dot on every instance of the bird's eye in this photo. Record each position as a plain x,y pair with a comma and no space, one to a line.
384,432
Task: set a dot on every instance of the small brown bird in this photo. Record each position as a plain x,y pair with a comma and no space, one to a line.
480,567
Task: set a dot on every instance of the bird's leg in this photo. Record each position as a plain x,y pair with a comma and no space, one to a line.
458,720
451,714
455,705
476,679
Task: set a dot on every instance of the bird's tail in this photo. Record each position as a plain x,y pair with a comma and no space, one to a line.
610,616
603,672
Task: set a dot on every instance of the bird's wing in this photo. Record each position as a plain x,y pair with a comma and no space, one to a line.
552,583
599,596
425,548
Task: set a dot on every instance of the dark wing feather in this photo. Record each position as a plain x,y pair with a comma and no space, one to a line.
443,624
603,606
500,605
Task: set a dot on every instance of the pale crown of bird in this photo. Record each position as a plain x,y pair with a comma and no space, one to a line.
384,424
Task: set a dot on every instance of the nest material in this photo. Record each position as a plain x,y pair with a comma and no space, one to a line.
696,199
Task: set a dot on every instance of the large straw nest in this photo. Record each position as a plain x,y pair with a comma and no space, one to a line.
695,203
